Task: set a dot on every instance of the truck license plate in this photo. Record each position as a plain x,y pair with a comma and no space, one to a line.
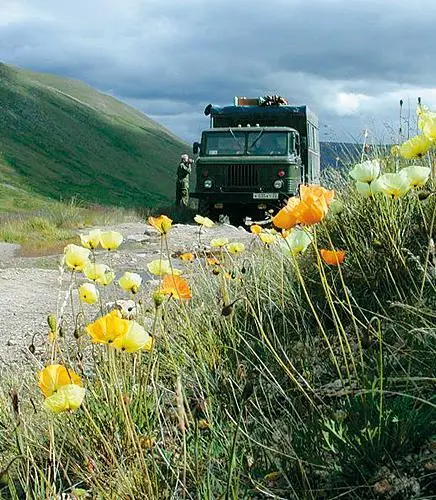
265,196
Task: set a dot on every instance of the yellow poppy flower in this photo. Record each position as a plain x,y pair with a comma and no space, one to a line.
67,398
92,239
160,267
52,377
255,229
111,240
161,223
107,328
267,238
393,185
130,282
187,257
88,293
219,242
415,147
366,171
100,273
204,221
297,242
76,258
416,175
134,339
235,248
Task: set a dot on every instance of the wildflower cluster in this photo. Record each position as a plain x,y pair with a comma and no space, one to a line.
369,182
61,386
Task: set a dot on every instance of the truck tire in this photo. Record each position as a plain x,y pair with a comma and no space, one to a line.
204,207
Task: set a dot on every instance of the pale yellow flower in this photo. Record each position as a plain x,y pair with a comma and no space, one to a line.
366,171
96,272
393,185
130,282
92,239
427,122
219,242
267,238
107,278
415,147
88,293
364,189
235,248
204,221
297,242
76,257
161,267
67,398
416,175
134,339
111,240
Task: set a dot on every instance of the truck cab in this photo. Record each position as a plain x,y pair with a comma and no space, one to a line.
253,158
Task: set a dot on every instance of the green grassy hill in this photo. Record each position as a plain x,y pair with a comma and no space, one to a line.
61,138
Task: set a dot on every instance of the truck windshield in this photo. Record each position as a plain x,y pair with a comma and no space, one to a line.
225,143
267,143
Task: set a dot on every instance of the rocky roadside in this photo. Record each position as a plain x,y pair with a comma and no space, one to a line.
30,288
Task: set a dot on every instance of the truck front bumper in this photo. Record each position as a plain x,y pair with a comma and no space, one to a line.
243,198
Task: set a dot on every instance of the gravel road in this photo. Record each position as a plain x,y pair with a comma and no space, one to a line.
29,287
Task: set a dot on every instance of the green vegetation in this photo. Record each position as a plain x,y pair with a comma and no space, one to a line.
61,139
282,377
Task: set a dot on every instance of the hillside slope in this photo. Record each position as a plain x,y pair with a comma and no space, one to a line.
62,138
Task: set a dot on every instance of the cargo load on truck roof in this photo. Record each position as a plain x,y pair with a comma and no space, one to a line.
251,111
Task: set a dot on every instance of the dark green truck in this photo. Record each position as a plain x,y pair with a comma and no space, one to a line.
253,157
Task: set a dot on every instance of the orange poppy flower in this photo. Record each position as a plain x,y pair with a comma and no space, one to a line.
312,191
187,257
161,223
255,229
332,257
175,286
311,211
286,218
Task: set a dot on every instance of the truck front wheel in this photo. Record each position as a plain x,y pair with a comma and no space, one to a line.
204,207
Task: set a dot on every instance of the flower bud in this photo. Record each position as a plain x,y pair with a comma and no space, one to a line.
158,298
52,323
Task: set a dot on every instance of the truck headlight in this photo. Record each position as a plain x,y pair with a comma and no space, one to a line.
207,184
278,184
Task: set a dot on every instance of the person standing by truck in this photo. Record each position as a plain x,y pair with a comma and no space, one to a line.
182,186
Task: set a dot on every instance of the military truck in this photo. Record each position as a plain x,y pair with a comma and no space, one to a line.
254,156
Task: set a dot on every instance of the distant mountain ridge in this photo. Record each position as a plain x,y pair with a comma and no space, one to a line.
62,138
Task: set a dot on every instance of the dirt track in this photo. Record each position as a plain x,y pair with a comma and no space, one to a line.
29,287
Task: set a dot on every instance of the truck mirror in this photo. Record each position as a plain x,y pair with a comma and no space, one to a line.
196,147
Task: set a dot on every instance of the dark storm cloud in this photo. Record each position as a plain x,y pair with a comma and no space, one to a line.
170,58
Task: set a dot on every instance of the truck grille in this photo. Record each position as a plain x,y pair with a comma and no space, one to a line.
242,175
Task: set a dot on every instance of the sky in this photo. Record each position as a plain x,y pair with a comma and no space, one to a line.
351,61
